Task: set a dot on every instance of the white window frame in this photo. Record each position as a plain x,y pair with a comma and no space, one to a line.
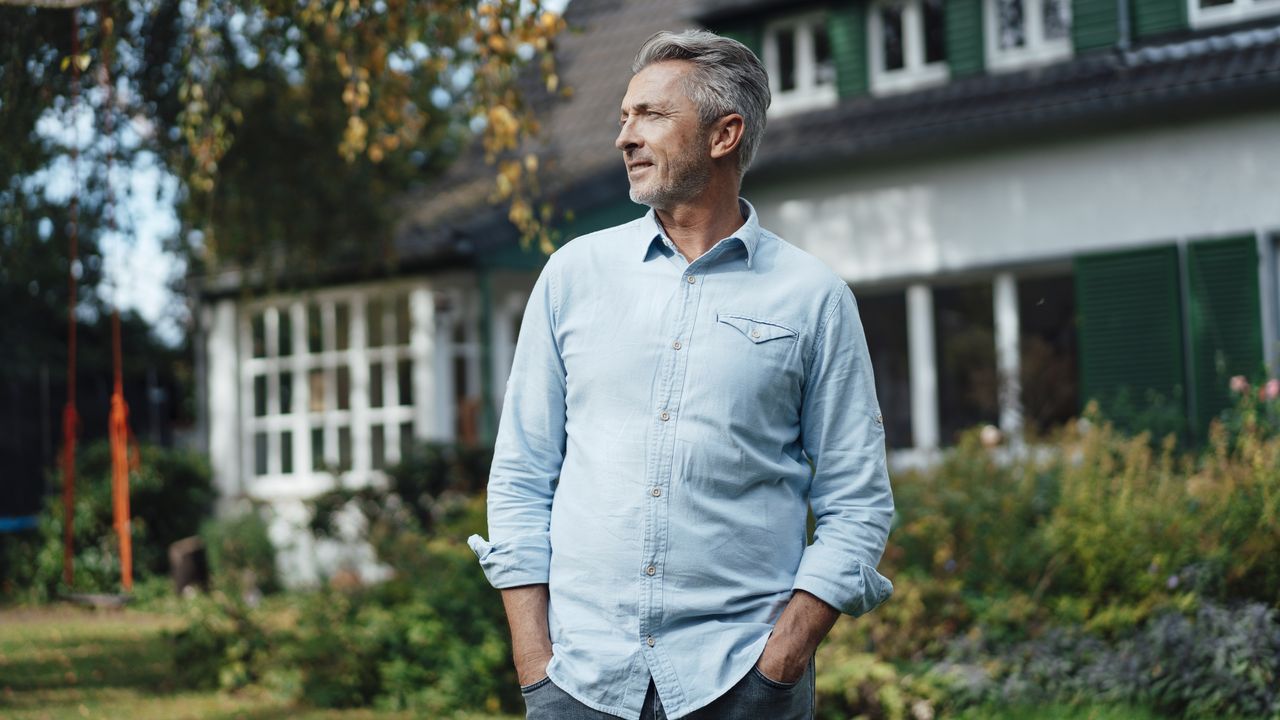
359,417
1036,51
808,94
915,73
1237,11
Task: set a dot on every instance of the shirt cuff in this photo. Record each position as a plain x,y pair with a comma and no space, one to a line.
521,560
852,587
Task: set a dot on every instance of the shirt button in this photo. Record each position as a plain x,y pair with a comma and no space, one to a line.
649,641
676,345
656,491
691,279
651,570
755,333
665,415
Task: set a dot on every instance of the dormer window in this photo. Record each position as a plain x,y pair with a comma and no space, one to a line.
907,45
1206,13
1021,33
801,67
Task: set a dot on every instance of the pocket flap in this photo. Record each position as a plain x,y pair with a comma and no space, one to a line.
757,331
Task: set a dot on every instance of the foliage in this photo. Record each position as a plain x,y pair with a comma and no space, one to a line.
1223,662
170,494
240,553
291,127
432,639
853,682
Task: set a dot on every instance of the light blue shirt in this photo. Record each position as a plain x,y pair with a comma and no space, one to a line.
653,461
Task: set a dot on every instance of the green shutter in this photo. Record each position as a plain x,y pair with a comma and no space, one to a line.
749,35
1094,24
1154,17
847,25
965,48
1131,353
601,217
1226,321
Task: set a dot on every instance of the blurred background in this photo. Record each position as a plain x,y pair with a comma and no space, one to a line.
262,268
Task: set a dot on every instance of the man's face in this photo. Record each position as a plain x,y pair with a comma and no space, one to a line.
662,140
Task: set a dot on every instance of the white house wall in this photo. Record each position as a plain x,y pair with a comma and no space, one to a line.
1034,203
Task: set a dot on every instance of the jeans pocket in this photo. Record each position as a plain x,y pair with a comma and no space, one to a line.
526,689
775,684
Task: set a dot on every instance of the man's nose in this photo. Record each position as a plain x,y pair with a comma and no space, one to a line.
627,139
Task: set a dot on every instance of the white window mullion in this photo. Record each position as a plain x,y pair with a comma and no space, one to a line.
923,363
1034,18
1008,356
301,393
805,65
912,36
424,354
358,372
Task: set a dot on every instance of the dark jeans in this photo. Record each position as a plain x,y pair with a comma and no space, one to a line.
755,697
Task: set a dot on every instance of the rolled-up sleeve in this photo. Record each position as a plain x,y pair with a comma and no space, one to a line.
529,450
842,432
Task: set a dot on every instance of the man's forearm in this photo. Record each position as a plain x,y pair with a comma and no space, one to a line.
530,637
804,623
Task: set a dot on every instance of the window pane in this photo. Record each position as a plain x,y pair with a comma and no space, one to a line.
1011,28
260,453
786,59
342,326
373,322
403,325
378,446
286,452
344,387
964,331
344,449
884,319
315,330
259,395
404,378
1057,19
317,449
935,32
286,393
316,389
285,325
824,61
259,331
406,440
375,385
891,36
1047,340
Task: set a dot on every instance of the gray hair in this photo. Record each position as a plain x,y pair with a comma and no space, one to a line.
727,78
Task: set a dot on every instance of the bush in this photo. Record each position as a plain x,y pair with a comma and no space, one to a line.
1222,662
170,492
241,555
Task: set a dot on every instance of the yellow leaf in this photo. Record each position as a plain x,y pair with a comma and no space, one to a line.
82,61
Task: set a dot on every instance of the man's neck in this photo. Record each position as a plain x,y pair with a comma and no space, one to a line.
697,225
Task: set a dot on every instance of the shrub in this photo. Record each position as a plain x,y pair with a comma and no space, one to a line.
240,552
170,492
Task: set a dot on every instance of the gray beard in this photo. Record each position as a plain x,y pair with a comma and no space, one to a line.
691,177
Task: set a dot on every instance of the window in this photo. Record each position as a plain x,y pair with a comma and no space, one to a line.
323,374
884,320
1204,13
801,67
907,45
964,339
1021,33
1047,349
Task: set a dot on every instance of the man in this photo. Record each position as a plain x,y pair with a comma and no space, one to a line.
685,387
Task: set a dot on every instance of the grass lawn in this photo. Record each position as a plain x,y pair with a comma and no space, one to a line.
66,662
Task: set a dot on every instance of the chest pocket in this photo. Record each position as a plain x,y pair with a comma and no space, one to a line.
758,331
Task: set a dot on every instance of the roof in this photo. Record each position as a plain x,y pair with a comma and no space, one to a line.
1219,72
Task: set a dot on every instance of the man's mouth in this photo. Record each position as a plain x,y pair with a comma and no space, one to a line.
638,165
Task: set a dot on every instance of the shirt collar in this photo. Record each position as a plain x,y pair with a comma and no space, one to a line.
748,234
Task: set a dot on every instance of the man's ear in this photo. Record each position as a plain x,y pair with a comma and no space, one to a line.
726,135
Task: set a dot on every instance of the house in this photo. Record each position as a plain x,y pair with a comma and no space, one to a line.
1036,202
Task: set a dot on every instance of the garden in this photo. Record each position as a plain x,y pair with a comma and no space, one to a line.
1098,574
